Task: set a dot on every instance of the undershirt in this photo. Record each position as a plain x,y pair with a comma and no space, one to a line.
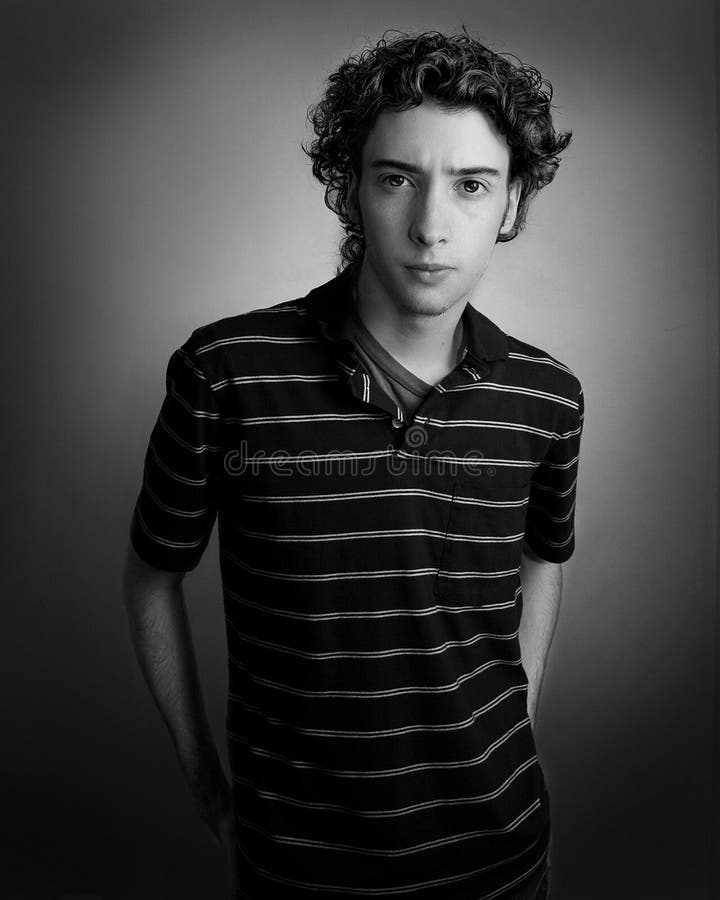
400,384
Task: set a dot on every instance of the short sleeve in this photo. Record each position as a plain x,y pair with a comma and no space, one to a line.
550,523
178,502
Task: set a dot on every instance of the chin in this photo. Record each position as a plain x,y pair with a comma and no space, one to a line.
427,301
426,306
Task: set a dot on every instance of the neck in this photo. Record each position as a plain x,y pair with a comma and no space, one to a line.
427,345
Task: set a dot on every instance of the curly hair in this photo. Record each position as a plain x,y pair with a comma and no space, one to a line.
456,71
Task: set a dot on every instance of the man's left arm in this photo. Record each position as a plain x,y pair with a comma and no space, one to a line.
541,590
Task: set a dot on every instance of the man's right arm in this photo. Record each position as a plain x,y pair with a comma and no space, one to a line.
160,631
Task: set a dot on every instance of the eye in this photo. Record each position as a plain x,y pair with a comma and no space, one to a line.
471,186
393,180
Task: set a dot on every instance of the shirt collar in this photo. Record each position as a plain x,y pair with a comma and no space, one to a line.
486,342
330,303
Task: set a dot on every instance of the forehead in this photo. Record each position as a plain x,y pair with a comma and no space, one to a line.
431,136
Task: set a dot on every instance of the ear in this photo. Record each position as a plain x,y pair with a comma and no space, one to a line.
352,200
512,207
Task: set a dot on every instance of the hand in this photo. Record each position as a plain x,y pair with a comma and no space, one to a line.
214,801
228,834
532,712
213,797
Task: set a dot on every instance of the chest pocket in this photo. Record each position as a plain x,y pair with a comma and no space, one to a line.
483,544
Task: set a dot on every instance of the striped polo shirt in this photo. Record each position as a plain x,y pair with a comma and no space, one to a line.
377,711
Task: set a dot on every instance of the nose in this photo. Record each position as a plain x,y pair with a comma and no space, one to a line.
429,224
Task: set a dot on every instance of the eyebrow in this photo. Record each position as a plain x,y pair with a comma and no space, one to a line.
416,170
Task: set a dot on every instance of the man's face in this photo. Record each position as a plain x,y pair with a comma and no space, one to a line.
433,192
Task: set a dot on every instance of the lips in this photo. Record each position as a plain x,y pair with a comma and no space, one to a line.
428,273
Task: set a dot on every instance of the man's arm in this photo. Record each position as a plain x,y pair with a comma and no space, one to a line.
161,636
541,587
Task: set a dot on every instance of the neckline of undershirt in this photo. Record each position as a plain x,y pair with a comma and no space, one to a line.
386,361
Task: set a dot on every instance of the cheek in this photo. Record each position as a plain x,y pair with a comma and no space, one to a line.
482,230
381,217
484,214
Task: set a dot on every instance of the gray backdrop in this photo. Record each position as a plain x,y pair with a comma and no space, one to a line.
155,183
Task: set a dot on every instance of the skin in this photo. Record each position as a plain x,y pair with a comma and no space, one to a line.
160,633
542,590
433,189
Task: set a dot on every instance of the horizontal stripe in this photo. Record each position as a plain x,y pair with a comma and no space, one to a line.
386,891
483,423
367,574
184,444
544,360
273,379
388,732
346,495
369,613
513,389
372,654
187,513
476,573
392,813
558,519
297,310
471,462
197,413
388,533
566,465
194,368
312,418
366,775
309,457
157,461
161,540
386,493
332,576
570,490
257,339
387,853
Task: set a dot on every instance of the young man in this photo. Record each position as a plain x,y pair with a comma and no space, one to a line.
394,481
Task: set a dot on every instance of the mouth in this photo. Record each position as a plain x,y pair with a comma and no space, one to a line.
428,273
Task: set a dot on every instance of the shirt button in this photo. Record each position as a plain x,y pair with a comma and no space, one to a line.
397,423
